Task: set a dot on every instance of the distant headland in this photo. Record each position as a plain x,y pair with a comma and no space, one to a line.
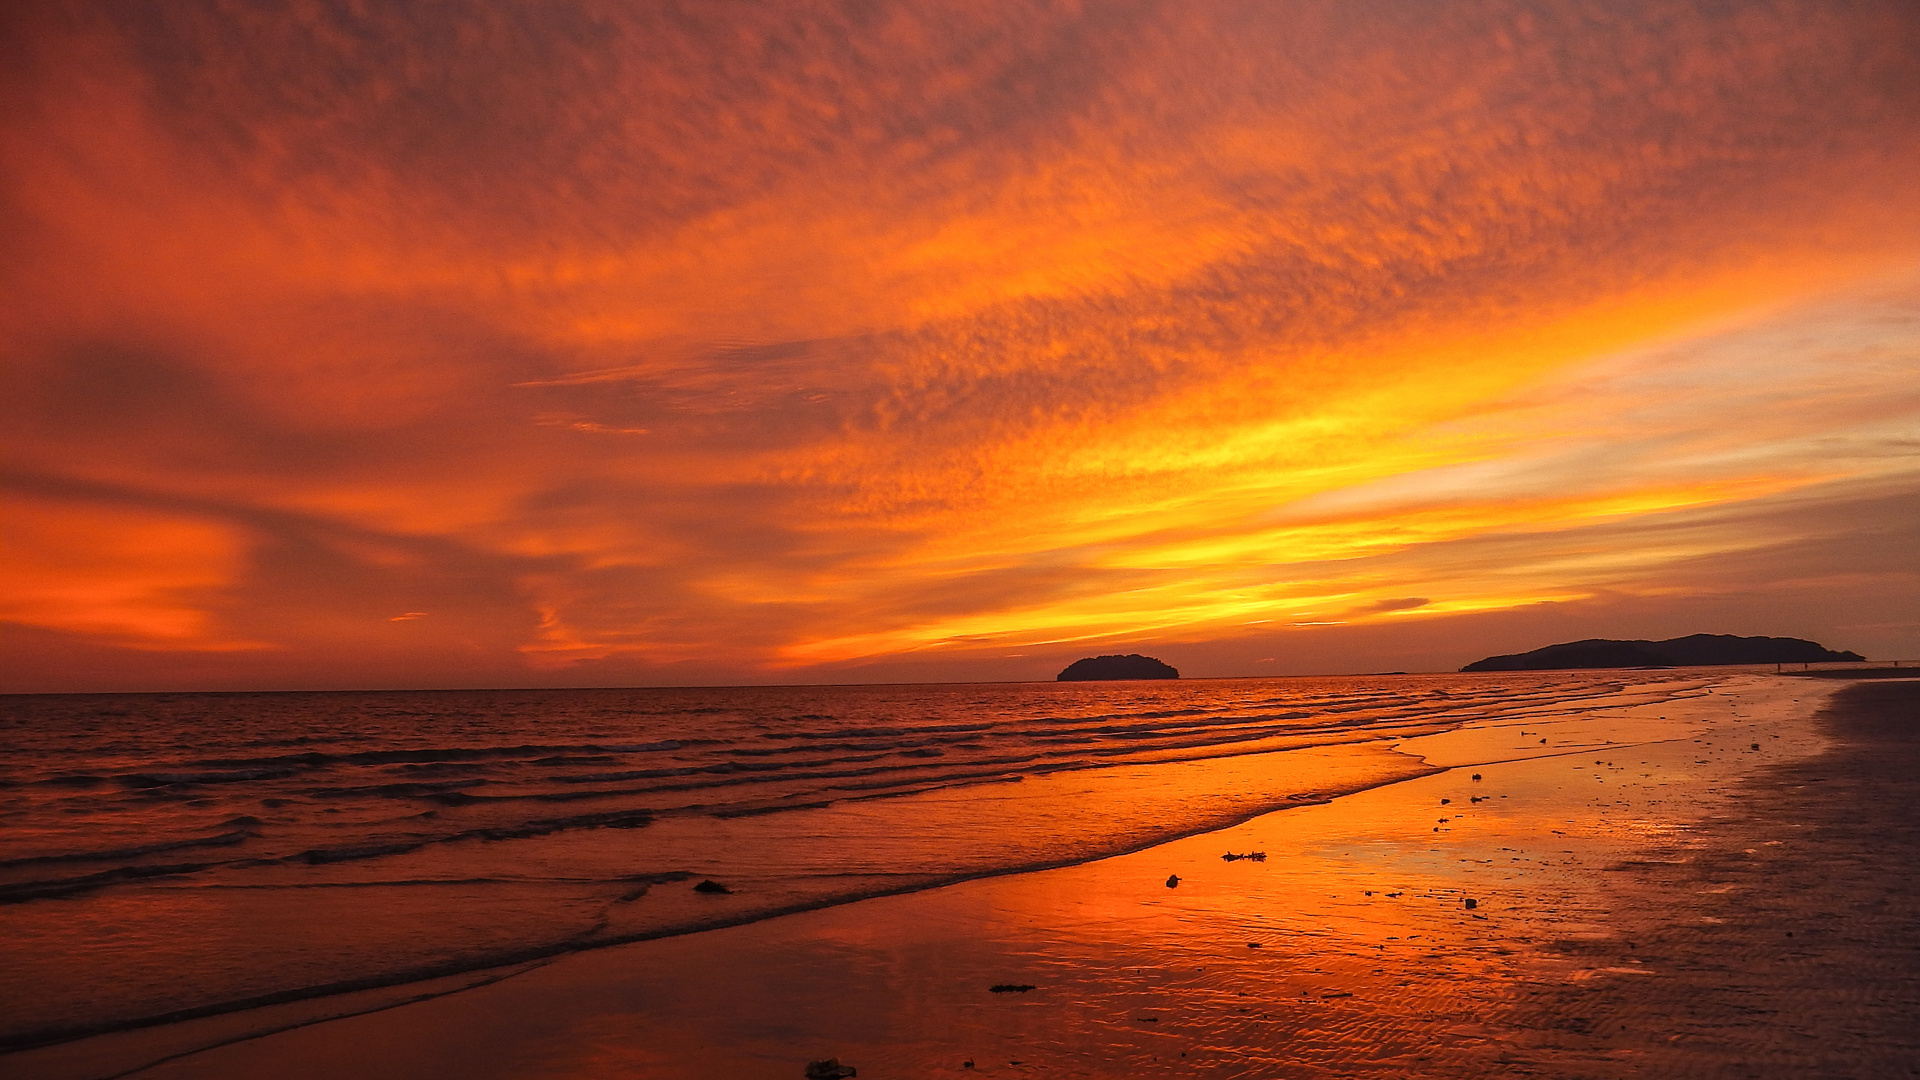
1130,666
1694,650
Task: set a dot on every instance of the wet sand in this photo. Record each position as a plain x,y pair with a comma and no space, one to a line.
1787,939
1726,893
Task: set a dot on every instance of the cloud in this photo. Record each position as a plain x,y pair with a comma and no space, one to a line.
1405,604
741,339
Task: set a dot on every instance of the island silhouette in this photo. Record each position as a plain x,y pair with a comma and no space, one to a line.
1130,666
1694,650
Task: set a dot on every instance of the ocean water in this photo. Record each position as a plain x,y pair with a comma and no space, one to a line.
173,855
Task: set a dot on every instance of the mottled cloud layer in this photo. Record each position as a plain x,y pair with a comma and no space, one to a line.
497,343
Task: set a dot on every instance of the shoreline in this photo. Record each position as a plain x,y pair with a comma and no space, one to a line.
1061,808
749,969
492,967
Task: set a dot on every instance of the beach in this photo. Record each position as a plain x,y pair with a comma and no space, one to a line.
1728,893
178,857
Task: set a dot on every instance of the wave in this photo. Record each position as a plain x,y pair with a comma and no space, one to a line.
598,937
19,892
224,839
234,776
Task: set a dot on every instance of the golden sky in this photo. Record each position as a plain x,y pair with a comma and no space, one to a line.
558,343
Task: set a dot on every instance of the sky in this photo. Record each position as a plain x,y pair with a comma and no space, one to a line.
568,343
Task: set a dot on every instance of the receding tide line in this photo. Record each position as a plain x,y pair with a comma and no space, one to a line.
21,892
591,939
498,975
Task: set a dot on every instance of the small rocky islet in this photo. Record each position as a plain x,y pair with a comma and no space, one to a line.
1103,668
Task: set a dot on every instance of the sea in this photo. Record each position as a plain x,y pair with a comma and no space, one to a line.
169,856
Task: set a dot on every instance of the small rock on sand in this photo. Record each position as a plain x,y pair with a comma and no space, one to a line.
712,886
1173,881
830,1069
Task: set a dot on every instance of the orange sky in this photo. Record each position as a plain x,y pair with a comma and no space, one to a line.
603,344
